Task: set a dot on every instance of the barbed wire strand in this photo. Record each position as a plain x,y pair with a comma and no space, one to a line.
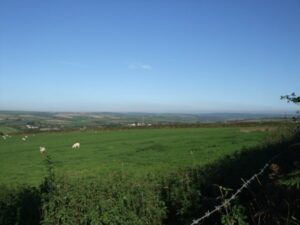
235,195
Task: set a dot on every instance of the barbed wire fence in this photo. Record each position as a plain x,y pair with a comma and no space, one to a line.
226,202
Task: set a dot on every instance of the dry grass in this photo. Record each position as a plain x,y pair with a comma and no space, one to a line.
258,128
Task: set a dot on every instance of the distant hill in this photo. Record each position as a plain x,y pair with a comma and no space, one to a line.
24,120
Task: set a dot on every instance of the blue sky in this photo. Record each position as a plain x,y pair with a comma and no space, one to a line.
149,56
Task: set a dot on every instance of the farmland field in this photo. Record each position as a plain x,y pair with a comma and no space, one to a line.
134,151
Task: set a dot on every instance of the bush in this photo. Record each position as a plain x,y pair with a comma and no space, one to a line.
116,200
20,206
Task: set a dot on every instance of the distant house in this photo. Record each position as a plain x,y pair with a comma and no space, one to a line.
31,127
139,124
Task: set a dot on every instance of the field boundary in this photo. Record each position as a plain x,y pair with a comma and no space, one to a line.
238,191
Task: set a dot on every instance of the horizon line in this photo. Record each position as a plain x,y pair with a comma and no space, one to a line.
264,112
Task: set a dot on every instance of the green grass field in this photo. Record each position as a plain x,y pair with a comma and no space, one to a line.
136,151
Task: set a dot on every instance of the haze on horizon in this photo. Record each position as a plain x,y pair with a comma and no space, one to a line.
149,56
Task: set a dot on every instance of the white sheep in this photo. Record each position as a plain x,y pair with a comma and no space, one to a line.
76,145
25,138
42,150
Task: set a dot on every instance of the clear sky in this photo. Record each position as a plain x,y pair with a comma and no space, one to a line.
149,55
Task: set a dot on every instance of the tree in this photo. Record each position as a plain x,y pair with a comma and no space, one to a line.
291,98
294,99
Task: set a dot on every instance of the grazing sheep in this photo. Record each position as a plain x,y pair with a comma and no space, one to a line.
25,138
76,145
42,150
4,136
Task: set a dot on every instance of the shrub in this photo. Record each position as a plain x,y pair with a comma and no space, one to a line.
21,205
116,200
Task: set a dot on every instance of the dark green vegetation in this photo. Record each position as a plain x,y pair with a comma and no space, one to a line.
134,151
292,98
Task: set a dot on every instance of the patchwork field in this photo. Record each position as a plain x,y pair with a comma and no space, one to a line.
136,151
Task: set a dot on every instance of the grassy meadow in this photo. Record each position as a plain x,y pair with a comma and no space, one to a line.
134,151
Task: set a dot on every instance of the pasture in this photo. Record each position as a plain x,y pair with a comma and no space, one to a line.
134,151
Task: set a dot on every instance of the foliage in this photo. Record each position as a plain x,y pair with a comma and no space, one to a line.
235,215
233,212
273,203
291,179
115,200
296,100
20,205
292,98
